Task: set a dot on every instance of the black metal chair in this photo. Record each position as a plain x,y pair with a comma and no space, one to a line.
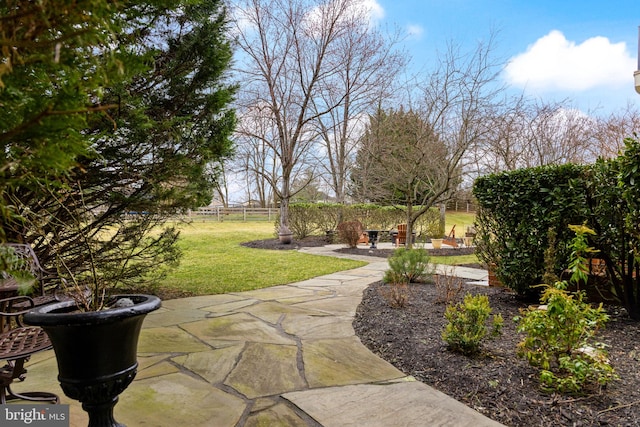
17,343
46,281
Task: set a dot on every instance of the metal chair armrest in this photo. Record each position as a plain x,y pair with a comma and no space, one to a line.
22,301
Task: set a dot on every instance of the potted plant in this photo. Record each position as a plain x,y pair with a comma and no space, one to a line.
89,145
93,329
437,243
95,350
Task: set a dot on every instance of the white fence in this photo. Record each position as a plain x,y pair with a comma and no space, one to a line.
234,214
220,213
461,206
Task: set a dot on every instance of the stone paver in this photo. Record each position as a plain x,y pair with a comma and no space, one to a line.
408,403
178,399
343,361
266,370
282,356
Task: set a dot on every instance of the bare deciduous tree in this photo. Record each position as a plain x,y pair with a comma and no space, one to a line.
221,184
256,157
366,76
504,143
456,99
608,133
556,135
293,53
527,133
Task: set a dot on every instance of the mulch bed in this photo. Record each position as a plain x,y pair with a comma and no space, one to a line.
362,249
309,241
496,383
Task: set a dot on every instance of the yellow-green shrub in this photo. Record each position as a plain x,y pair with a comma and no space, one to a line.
467,325
559,338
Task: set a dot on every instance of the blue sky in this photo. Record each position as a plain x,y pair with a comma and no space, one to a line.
582,50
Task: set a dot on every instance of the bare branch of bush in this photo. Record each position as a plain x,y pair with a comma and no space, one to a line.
395,294
350,232
448,288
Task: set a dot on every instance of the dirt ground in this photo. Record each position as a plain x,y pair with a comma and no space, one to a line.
496,383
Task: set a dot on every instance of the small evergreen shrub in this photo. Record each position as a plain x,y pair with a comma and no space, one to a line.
559,339
412,264
467,325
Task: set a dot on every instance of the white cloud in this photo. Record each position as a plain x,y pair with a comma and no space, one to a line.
376,11
555,63
415,31
370,10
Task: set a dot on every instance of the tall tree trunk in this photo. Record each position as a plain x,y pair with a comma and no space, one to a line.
410,221
284,233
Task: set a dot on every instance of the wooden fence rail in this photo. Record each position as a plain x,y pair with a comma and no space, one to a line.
233,214
220,213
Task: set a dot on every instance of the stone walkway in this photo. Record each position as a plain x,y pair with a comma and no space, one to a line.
280,356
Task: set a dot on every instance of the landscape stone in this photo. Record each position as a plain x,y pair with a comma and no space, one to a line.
397,404
343,361
171,339
178,400
278,415
173,317
276,292
214,366
236,327
281,356
273,312
266,370
314,327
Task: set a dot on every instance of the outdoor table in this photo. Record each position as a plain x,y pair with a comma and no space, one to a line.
18,342
373,237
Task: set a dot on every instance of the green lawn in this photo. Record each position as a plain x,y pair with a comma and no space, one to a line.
461,220
214,262
454,260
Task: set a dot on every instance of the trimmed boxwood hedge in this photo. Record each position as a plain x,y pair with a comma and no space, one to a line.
518,208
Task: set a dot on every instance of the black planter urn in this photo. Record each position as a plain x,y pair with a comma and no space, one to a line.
96,351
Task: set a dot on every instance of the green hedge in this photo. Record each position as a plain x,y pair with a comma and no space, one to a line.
516,211
518,208
315,219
